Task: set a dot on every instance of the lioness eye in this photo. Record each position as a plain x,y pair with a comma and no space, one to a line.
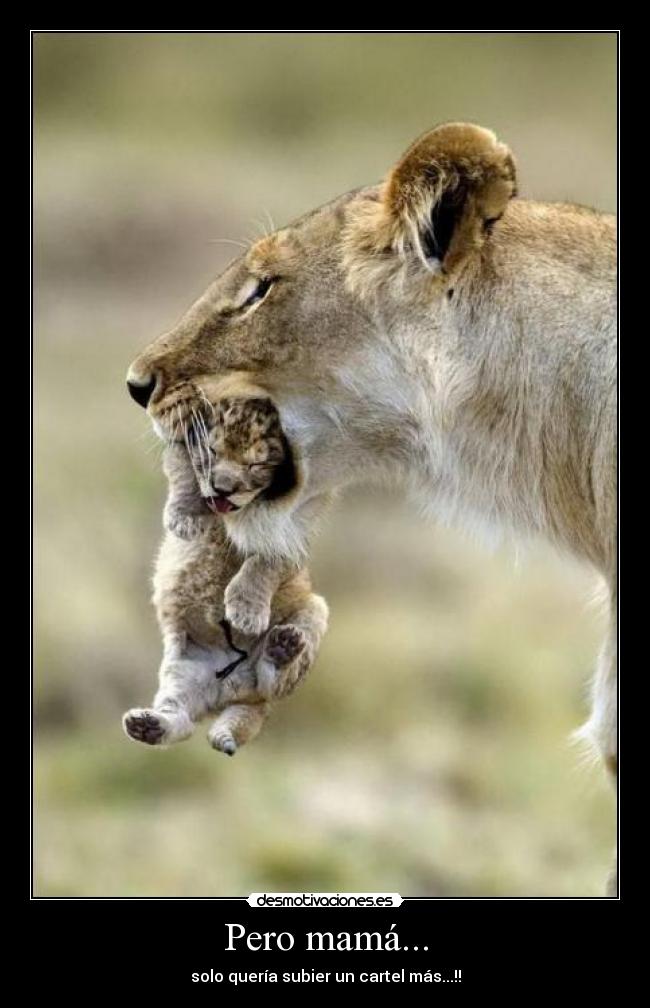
262,289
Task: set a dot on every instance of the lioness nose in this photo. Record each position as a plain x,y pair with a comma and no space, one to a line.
141,390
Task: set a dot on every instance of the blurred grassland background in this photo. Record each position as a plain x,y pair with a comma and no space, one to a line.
428,751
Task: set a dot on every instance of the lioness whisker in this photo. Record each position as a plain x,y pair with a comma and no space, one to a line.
270,219
190,453
229,241
196,439
206,436
260,224
200,432
206,400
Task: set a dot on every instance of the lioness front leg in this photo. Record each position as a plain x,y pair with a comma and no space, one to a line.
248,596
604,720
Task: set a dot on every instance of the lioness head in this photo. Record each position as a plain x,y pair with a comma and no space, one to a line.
313,314
403,330
295,308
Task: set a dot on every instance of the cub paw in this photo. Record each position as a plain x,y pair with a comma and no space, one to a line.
222,741
188,526
283,644
244,615
146,726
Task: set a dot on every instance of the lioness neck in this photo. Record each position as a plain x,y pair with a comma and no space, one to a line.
522,350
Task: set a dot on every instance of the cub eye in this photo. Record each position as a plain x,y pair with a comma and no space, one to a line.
262,289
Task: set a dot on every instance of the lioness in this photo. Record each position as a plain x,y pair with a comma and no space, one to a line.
436,331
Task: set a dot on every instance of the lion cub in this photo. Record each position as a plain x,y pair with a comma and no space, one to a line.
236,633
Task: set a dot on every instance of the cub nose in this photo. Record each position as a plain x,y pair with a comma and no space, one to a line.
141,391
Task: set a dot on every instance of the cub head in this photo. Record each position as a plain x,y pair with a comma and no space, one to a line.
239,452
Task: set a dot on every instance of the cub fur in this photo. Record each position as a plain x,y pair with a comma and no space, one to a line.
236,632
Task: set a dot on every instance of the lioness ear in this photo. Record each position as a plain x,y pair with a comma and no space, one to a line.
448,189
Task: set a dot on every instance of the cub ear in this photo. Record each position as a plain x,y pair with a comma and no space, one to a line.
448,189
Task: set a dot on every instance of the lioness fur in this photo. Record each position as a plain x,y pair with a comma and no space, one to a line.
439,332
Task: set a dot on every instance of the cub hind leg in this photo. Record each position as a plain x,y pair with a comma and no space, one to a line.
236,725
186,691
290,648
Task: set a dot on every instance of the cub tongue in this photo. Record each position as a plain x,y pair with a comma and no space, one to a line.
220,505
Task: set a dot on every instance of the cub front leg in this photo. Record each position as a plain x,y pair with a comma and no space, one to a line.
248,596
185,525
290,649
185,513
